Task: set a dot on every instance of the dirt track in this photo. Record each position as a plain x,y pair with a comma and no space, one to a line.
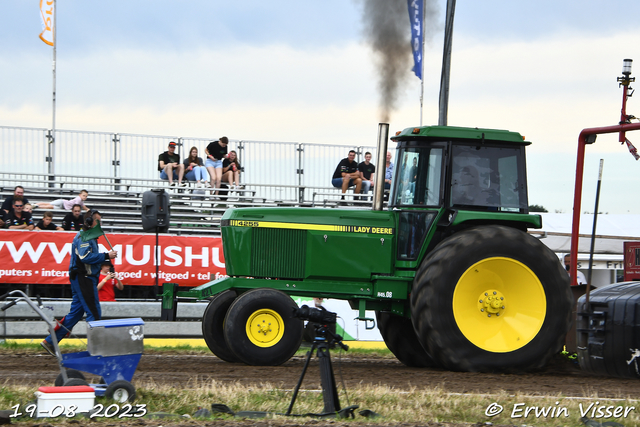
561,377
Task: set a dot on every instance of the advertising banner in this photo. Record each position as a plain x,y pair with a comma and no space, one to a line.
43,257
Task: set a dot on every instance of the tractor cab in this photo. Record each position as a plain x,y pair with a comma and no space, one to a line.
460,168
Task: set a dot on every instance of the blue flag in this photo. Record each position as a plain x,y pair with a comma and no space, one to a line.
415,19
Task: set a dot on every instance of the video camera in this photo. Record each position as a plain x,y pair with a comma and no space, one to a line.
317,315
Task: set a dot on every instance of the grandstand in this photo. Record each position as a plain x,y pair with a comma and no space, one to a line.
118,168
193,210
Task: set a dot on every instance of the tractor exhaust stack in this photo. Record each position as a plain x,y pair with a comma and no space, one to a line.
378,192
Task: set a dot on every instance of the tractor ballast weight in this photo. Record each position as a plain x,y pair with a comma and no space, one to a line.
453,276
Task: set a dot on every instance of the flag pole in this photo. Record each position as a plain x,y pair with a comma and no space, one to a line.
424,14
53,125
446,64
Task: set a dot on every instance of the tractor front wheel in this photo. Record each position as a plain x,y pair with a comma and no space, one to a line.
213,325
491,298
260,328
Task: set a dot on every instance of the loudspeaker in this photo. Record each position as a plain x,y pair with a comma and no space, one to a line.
155,211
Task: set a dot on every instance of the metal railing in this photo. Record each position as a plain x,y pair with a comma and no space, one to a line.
134,156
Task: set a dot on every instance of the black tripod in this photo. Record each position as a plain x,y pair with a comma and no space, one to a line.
325,339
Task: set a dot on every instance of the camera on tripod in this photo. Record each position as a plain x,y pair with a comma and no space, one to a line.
317,315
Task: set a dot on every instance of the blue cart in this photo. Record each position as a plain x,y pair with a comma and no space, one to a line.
114,349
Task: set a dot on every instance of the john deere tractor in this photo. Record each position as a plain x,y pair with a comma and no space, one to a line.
453,276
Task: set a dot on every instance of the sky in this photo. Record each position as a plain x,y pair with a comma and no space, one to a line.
302,71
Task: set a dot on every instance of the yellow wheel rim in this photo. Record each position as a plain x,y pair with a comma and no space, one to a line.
265,328
499,304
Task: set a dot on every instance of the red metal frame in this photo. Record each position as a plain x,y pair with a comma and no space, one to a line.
582,142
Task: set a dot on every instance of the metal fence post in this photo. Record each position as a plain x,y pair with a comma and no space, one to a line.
116,160
300,172
49,158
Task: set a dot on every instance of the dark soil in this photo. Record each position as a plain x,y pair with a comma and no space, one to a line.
178,369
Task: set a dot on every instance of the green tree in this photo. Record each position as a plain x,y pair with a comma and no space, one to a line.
537,208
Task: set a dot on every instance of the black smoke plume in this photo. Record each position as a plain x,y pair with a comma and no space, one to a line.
387,31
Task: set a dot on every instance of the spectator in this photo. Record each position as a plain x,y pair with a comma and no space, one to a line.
170,167
46,222
66,204
107,281
366,169
73,220
347,174
582,280
195,169
231,169
216,151
8,202
16,219
27,208
388,174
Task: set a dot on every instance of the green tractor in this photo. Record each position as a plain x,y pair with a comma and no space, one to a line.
449,269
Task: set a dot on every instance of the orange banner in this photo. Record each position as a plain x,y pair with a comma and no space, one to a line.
43,257
47,9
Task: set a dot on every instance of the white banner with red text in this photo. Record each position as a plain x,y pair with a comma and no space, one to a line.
43,257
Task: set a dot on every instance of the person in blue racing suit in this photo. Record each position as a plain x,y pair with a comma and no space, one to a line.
84,269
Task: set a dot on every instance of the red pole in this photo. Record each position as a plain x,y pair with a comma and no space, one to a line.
577,197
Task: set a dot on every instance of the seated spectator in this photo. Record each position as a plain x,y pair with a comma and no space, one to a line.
27,208
16,219
195,169
7,205
106,283
388,173
66,204
366,170
347,175
231,170
73,220
46,222
170,167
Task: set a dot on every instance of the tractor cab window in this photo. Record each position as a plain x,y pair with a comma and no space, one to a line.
418,176
488,177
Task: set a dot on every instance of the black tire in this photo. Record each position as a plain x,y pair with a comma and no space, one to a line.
75,381
401,339
213,325
120,391
462,328
71,373
274,334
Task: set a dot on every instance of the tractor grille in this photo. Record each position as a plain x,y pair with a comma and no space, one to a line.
278,253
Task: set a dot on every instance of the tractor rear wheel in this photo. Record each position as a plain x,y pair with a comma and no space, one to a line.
400,337
213,325
491,298
260,328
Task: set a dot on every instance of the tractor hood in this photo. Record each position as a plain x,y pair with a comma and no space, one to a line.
304,243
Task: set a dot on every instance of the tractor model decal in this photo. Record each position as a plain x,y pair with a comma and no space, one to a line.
317,227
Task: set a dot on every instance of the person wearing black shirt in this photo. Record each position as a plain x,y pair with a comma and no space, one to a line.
347,175
366,170
231,170
8,202
16,219
170,166
216,151
73,220
46,223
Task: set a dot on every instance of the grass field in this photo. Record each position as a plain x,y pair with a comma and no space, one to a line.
407,407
